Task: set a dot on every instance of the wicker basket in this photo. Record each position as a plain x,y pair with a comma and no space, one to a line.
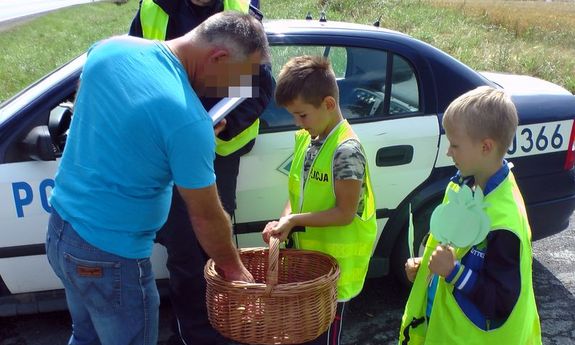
296,305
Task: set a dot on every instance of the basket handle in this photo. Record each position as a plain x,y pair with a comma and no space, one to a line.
273,258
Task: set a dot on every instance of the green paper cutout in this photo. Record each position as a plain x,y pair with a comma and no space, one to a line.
410,232
462,220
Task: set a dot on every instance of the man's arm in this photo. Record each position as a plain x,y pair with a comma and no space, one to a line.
213,230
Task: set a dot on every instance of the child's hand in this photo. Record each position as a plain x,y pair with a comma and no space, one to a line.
267,232
442,260
283,227
411,268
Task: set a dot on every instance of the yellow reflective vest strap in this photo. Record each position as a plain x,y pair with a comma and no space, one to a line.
154,20
237,5
227,147
448,324
350,244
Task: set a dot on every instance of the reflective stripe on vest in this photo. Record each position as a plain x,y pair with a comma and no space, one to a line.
237,5
227,147
154,20
154,26
448,324
350,244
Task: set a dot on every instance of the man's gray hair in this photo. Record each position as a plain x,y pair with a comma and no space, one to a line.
241,34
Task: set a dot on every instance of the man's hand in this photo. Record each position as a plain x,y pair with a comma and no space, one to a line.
411,268
442,260
214,231
239,275
219,127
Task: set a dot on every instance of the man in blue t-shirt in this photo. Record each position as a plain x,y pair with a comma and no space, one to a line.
138,129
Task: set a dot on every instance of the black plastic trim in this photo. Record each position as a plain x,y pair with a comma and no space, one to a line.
18,251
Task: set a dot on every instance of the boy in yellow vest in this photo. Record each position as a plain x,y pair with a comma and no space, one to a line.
330,192
481,294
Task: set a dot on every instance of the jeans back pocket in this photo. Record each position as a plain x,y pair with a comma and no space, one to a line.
98,282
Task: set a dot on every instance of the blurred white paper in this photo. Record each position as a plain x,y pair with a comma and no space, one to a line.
223,108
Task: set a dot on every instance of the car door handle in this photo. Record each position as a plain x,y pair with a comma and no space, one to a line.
394,155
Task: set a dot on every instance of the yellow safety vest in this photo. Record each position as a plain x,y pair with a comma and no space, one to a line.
350,244
154,19
448,324
154,22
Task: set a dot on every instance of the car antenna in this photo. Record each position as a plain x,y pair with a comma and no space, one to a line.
376,23
308,16
322,17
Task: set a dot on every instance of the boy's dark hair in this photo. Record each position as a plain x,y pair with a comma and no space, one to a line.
308,77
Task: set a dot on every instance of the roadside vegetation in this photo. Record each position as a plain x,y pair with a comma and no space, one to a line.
524,37
34,48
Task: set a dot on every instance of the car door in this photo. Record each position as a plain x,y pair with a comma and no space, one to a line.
33,127
380,95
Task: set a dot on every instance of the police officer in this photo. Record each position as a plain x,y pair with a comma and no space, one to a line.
163,20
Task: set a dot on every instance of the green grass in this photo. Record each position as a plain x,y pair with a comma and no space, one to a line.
525,37
31,50
479,39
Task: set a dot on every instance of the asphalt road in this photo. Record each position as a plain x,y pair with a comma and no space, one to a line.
14,9
373,317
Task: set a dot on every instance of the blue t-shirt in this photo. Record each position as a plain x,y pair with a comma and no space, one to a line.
138,128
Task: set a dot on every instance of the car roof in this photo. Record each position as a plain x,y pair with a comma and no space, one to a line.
294,25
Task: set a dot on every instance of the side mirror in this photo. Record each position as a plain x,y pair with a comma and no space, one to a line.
58,125
38,144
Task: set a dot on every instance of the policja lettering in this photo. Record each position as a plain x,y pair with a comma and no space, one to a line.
318,175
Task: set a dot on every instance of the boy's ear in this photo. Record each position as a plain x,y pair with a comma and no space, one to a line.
330,102
488,145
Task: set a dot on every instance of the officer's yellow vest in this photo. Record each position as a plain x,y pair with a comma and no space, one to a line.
155,21
154,25
448,324
350,244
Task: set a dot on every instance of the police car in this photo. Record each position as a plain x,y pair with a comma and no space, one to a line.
394,90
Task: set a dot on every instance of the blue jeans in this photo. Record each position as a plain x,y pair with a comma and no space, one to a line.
112,300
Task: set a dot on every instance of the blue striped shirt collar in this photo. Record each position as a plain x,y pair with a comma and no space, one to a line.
494,181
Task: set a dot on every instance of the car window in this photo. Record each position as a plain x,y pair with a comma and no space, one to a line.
336,55
277,118
362,80
404,88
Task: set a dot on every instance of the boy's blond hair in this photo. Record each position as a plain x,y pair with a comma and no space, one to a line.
308,77
485,113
